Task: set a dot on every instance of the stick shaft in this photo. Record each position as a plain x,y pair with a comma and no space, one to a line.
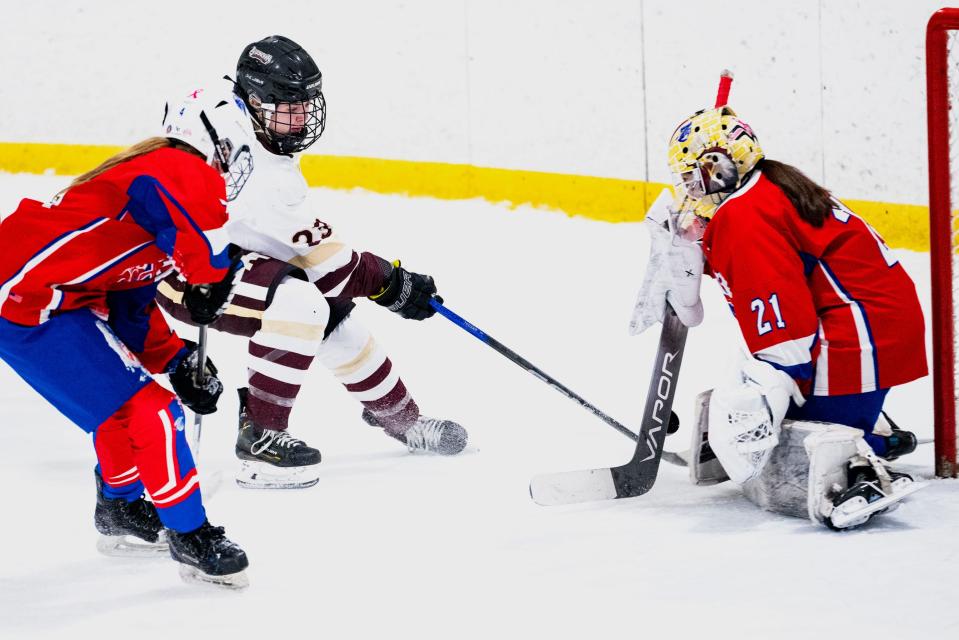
200,373
530,367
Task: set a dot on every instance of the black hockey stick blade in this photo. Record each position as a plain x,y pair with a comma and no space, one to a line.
637,476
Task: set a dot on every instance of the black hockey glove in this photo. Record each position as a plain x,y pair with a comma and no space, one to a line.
202,397
407,293
207,302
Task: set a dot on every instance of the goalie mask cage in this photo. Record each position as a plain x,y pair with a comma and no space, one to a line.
942,83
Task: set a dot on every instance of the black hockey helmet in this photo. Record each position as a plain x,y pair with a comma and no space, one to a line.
283,88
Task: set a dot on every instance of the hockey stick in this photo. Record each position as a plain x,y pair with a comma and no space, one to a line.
198,379
212,482
512,356
637,476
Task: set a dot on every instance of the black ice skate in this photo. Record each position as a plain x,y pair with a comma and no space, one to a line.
207,556
128,529
866,497
431,435
900,442
272,459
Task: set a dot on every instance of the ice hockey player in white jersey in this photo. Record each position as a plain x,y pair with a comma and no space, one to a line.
296,290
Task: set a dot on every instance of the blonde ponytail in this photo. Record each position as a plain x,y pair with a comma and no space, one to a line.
139,149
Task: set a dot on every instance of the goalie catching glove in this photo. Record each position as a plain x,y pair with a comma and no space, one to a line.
407,293
673,273
745,416
199,395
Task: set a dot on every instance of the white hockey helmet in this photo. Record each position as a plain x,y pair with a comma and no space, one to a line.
215,122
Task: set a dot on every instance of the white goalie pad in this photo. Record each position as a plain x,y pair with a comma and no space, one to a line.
742,433
745,415
829,449
829,504
809,462
704,467
810,467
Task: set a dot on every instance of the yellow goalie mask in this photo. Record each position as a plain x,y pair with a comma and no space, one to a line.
710,154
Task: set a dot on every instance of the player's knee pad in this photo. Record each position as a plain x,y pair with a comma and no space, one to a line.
362,366
298,310
351,344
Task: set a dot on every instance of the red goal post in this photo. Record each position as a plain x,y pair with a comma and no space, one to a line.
942,96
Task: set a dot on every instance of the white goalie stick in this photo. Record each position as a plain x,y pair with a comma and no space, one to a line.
637,476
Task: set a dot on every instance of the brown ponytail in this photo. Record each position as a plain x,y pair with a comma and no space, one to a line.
812,202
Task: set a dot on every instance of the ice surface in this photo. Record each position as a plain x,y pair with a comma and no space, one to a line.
395,545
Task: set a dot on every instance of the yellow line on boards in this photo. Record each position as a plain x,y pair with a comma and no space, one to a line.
59,159
902,226
609,199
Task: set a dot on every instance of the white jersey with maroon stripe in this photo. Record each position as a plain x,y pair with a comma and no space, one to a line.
286,323
271,216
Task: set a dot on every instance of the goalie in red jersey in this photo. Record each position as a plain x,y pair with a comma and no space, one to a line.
79,324
830,318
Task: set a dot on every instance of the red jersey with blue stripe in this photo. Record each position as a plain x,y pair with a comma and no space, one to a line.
107,242
831,306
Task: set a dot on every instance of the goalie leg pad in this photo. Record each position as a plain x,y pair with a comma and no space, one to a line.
806,469
876,490
784,484
807,476
704,466
830,450
741,431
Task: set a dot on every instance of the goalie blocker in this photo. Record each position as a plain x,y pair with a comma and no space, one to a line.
821,471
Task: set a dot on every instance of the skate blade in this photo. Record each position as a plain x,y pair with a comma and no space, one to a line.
841,520
260,475
235,581
133,547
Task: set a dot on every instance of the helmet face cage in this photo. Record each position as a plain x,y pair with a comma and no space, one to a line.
712,172
238,172
691,182
235,165
290,127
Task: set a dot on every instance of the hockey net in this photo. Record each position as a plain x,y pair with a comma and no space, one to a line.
942,80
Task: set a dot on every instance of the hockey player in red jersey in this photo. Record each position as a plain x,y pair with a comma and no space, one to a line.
79,324
830,318
296,292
